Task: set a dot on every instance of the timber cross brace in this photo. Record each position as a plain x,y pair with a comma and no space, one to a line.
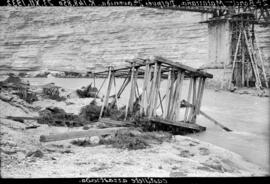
153,101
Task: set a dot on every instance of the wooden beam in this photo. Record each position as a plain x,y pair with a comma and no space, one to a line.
178,100
255,69
105,104
201,96
131,93
157,87
183,67
188,99
80,134
167,95
179,124
234,59
192,112
144,92
153,91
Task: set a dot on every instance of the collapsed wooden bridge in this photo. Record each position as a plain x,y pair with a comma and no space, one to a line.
146,104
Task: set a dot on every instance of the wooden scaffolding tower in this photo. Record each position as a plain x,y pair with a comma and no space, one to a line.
247,60
146,103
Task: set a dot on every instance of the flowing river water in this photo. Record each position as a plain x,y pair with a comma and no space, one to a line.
246,115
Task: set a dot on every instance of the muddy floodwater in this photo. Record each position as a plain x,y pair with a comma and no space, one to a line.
246,115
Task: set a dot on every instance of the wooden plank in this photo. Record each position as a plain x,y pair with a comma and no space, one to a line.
79,134
179,124
112,122
183,67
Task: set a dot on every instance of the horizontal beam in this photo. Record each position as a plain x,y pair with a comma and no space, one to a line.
180,66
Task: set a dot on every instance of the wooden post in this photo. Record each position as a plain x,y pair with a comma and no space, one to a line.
188,99
129,106
148,92
94,80
178,98
105,104
243,65
234,59
192,112
153,91
166,107
144,92
254,66
156,89
199,99
115,91
262,63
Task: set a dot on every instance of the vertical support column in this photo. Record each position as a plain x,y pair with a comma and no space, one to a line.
188,99
192,111
153,91
105,103
201,95
147,75
148,91
156,89
129,106
170,96
178,97
167,101
115,91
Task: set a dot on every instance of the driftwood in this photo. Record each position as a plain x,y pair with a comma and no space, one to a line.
115,123
79,134
21,118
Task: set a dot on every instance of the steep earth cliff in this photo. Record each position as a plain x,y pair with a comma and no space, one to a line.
82,38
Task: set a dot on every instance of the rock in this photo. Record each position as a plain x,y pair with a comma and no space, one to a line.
38,153
20,156
94,140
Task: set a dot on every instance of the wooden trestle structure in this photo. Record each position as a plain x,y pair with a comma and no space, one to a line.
145,104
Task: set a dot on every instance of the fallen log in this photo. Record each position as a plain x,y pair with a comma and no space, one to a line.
79,134
19,118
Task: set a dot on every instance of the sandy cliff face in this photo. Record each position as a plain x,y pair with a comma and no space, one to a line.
77,38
